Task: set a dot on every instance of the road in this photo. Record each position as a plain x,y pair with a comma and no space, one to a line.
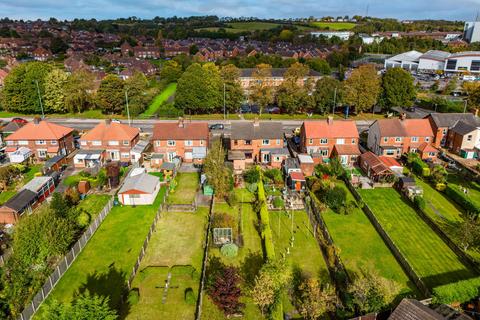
147,125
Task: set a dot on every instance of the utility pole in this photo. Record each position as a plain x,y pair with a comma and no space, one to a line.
39,98
465,106
224,109
128,110
334,100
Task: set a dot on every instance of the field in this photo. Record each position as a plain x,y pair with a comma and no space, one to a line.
428,255
248,26
104,265
361,247
184,193
176,247
159,100
333,25
444,213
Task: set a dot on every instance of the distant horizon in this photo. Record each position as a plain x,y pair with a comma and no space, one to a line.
460,10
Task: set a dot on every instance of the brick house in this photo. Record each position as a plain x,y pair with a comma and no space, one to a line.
325,139
44,139
41,54
394,137
184,139
259,142
113,140
464,139
146,52
442,122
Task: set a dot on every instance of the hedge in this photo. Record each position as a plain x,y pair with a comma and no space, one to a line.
264,217
462,200
420,167
457,292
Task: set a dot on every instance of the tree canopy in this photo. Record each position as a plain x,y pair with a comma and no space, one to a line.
362,88
397,88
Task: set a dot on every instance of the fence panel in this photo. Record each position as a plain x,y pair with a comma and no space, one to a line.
63,266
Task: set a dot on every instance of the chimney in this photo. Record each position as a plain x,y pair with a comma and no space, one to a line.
403,116
36,120
330,120
256,122
108,121
180,122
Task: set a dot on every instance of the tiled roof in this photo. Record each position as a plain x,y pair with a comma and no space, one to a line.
42,130
463,128
427,147
105,131
374,162
389,161
347,149
410,309
251,131
405,128
175,131
448,120
334,129
276,72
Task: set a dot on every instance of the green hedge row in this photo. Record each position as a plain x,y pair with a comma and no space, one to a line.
264,217
420,167
462,200
457,292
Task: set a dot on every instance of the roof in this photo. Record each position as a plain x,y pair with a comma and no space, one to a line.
435,55
176,131
106,130
291,163
50,162
144,183
276,72
297,176
305,158
36,183
167,166
12,127
374,162
465,54
427,147
261,130
140,146
334,129
404,128
389,161
347,149
236,155
20,200
42,130
410,309
463,128
278,151
448,120
409,56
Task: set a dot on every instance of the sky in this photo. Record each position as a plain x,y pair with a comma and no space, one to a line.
106,9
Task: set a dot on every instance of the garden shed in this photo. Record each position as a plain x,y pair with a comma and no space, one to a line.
139,189
296,181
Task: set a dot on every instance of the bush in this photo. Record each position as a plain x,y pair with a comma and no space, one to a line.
133,296
83,219
419,202
252,175
462,200
252,187
223,220
232,199
440,186
335,197
229,250
457,292
418,166
190,297
278,202
275,175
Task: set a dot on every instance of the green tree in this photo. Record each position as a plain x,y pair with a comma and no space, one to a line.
397,88
138,97
319,65
78,91
19,93
469,233
84,307
171,71
111,95
57,45
234,95
218,175
315,301
327,89
199,89
55,93
293,94
261,89
362,88
286,35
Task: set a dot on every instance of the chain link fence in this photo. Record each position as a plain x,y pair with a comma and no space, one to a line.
64,264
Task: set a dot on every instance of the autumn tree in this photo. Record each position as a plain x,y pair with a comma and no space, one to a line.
293,94
315,301
362,88
225,291
397,88
234,95
218,175
55,93
111,95
78,91
472,89
261,89
319,65
469,233
328,92
171,71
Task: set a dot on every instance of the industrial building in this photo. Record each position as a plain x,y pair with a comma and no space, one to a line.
471,31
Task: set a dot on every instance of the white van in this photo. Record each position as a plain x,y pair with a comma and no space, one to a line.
469,78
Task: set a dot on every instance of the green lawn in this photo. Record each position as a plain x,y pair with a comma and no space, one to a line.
472,186
6,195
428,255
361,247
175,247
27,177
160,99
253,25
334,25
184,192
444,213
243,195
105,264
94,203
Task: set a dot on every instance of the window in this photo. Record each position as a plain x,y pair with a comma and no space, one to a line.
310,141
278,142
414,139
83,142
170,143
248,155
126,142
469,137
353,141
157,143
235,142
475,66
22,142
125,155
444,131
41,142
398,139
113,143
53,142
431,154
340,141
276,159
188,143
248,142
134,196
42,153
324,141
413,149
427,139
385,139
10,143
389,152
96,143
451,64
265,142
324,152
202,142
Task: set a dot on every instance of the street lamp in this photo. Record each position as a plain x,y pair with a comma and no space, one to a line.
224,109
39,98
465,106
128,110
334,100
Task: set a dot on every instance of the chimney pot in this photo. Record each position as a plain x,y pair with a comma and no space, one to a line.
330,119
108,121
36,120
403,116
180,122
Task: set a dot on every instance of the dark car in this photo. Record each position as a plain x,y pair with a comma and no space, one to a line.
411,109
245,109
19,120
255,109
273,110
216,126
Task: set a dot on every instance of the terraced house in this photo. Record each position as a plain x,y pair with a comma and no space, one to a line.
185,139
44,139
325,139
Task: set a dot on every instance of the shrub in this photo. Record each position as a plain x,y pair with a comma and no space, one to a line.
83,219
190,297
252,175
229,250
252,187
335,197
440,186
457,292
462,200
278,202
419,202
133,296
275,175
223,220
418,166
232,199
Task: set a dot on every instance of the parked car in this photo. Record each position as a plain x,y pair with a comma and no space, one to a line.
411,109
273,110
216,126
255,109
19,120
245,109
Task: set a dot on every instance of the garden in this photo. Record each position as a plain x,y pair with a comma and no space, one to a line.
13,177
104,265
184,188
426,252
174,256
159,100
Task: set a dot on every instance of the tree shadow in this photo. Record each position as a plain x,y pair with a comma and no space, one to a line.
110,284
250,268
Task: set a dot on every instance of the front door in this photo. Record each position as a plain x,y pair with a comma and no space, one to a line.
266,157
344,160
114,155
171,155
